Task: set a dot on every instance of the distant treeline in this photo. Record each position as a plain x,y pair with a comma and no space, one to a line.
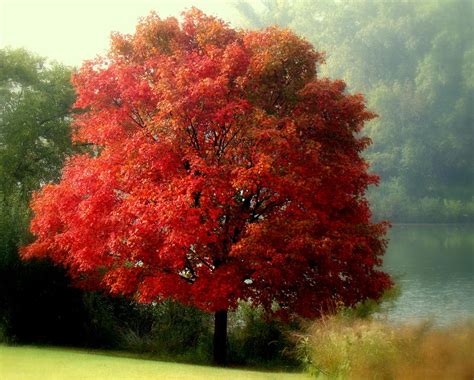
414,61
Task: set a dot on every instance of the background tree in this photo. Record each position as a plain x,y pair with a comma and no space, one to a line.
413,59
35,105
222,170
35,102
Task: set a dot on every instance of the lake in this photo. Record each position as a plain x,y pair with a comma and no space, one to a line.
434,266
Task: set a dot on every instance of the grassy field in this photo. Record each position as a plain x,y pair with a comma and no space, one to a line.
33,363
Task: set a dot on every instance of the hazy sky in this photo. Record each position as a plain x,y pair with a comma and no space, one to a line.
73,30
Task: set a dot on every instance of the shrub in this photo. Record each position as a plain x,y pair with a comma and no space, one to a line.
256,340
167,329
348,348
174,330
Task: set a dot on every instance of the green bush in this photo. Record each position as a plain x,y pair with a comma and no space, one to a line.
166,329
259,341
37,302
172,331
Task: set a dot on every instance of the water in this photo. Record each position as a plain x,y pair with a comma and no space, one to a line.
434,266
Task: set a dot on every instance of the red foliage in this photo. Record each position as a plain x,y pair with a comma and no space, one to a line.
224,169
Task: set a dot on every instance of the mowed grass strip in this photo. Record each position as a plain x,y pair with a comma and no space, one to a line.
34,363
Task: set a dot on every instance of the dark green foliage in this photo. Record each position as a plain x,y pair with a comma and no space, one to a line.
35,106
37,303
167,329
42,309
172,331
258,341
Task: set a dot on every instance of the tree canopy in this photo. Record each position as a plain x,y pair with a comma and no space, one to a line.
223,169
35,105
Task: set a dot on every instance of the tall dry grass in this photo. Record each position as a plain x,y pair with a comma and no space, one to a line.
341,347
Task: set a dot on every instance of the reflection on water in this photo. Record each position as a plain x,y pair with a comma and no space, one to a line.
434,266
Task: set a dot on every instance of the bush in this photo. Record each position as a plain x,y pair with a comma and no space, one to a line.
37,302
166,329
256,340
170,330
344,347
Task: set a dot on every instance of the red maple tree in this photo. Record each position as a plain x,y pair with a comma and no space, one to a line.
222,170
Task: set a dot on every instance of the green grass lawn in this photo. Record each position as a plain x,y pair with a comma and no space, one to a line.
34,363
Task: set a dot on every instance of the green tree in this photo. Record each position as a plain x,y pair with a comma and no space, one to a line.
35,104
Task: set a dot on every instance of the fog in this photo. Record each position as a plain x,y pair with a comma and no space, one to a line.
71,31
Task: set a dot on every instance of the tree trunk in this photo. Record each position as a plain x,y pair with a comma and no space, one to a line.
220,337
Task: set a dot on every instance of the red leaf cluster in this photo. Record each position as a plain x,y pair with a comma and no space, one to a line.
223,169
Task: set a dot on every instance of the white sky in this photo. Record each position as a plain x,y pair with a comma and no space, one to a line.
70,31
